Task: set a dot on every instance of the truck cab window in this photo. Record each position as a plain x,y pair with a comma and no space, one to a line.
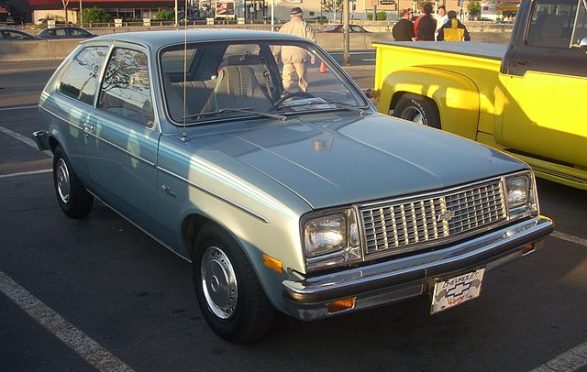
556,23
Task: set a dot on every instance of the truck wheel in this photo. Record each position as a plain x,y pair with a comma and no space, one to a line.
229,294
75,201
420,110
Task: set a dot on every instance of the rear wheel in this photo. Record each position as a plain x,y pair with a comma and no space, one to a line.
75,201
421,110
229,294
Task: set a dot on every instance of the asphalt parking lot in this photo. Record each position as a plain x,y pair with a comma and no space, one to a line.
100,288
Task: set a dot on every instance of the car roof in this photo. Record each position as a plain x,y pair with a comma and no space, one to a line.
158,39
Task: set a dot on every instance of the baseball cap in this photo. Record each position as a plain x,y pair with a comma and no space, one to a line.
296,10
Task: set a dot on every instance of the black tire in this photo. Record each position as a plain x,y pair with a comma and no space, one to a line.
238,313
419,109
75,201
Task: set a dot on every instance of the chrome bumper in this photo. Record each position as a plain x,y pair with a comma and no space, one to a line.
406,277
42,140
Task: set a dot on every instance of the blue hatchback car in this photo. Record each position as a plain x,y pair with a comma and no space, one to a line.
255,157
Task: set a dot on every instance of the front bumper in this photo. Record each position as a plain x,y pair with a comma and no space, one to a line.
42,140
406,277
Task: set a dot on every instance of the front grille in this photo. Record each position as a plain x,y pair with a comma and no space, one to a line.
408,225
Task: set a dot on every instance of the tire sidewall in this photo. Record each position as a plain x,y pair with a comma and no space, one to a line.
429,118
80,201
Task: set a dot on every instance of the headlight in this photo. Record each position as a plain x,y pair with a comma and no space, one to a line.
518,190
331,238
325,234
522,200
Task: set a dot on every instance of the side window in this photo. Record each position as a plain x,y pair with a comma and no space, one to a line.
126,90
80,79
552,23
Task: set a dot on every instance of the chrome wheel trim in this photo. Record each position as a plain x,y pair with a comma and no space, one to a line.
219,282
414,115
63,181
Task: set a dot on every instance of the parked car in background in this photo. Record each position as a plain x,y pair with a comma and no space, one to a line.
305,201
10,34
67,32
339,28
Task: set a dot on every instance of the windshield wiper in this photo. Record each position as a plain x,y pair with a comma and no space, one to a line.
246,110
322,102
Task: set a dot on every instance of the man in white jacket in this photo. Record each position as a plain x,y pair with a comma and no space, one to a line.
294,59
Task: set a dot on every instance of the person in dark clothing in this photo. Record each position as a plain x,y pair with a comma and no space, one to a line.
404,29
425,25
453,29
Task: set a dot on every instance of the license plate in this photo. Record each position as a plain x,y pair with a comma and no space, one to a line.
454,291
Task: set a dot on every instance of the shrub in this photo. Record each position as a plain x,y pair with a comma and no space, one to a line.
381,16
165,15
96,15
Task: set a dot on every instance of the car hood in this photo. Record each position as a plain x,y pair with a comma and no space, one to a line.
331,159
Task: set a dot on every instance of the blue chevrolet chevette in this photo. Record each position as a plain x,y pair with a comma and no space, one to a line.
284,193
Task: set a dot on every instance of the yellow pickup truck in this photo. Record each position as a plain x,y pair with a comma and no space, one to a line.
525,98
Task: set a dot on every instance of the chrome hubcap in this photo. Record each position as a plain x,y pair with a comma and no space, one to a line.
219,282
63,182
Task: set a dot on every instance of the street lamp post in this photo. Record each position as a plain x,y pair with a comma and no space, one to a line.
81,16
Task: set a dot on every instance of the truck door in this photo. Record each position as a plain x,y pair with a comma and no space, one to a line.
544,80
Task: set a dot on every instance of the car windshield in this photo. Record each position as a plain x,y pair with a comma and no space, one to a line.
206,82
330,28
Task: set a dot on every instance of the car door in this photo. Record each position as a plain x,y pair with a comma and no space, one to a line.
123,154
544,79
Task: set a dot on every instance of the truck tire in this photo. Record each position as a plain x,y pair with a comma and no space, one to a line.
75,201
228,291
421,110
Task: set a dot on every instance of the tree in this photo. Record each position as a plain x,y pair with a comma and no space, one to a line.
474,8
65,4
332,6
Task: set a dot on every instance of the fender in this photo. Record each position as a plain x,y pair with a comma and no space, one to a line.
456,96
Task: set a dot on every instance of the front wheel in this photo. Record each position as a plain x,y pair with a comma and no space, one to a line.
75,201
420,110
229,294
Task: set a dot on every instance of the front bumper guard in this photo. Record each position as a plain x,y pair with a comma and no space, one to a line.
406,277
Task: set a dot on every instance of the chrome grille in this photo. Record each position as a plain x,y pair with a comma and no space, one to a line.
407,225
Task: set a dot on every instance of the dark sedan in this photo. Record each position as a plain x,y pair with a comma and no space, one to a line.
10,34
339,28
64,33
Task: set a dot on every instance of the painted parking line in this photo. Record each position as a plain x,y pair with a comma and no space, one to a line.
74,338
572,360
18,108
27,141
570,238
11,175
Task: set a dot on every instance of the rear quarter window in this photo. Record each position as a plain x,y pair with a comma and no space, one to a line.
80,80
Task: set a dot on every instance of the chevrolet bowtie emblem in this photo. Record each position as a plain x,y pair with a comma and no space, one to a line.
445,216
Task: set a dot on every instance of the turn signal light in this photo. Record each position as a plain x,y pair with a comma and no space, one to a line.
342,304
273,263
528,248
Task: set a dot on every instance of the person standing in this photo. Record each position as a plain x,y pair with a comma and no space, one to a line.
425,25
441,18
403,30
453,29
294,58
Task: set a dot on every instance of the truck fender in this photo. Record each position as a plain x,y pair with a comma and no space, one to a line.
456,96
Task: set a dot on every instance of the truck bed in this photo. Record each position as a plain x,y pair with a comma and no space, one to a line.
474,49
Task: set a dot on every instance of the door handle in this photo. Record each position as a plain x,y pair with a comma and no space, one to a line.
89,128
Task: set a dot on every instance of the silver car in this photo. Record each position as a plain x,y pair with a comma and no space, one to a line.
254,156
